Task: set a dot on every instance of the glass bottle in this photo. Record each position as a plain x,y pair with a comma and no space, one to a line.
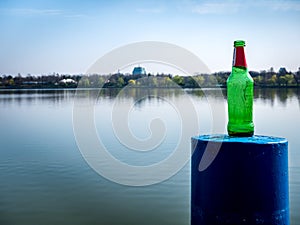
240,95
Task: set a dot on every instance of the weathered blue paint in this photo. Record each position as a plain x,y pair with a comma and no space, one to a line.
247,183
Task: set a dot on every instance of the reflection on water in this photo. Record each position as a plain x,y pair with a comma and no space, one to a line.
269,95
44,179
57,95
33,96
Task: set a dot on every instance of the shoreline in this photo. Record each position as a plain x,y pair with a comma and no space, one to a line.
138,87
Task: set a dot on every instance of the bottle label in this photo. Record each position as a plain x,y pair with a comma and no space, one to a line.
239,59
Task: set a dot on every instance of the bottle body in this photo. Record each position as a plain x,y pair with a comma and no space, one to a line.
240,97
240,103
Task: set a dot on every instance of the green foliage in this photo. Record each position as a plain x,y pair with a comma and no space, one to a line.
120,82
272,80
132,82
11,82
264,78
152,81
200,80
84,82
100,81
290,79
168,82
258,80
178,80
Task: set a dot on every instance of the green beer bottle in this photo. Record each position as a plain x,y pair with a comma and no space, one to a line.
240,95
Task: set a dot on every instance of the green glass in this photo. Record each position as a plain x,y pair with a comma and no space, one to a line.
240,95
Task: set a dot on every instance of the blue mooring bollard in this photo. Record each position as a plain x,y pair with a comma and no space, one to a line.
246,182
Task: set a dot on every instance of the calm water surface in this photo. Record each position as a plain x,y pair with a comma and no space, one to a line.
45,179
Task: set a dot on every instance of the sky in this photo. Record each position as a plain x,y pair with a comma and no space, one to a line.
67,37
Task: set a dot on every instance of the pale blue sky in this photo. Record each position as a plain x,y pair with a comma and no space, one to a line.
69,36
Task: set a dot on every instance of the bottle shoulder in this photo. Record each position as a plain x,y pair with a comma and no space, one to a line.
240,74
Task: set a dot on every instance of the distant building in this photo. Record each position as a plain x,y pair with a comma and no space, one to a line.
67,81
139,71
282,71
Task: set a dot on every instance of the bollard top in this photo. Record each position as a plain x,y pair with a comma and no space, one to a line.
255,139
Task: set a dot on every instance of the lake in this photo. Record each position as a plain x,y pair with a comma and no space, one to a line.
144,139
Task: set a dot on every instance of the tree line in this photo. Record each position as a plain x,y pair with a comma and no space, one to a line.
264,78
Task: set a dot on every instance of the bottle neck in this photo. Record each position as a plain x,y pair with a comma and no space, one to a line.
239,59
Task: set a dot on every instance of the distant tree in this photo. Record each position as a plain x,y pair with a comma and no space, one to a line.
199,79
221,80
132,82
282,71
149,80
213,80
280,76
272,81
289,79
153,82
258,80
262,77
11,82
84,82
297,77
168,82
282,80
120,82
178,80
112,82
190,82
100,81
